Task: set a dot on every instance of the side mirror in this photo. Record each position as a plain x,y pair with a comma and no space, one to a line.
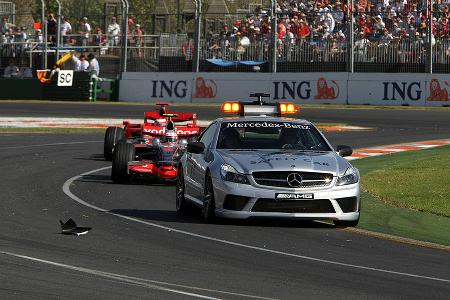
125,123
183,143
344,150
195,147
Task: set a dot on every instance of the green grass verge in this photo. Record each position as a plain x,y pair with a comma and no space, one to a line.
48,130
407,194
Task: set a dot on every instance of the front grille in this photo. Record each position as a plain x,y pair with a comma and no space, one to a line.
293,206
279,179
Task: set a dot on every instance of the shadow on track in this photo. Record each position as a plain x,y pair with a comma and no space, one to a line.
93,157
194,218
136,180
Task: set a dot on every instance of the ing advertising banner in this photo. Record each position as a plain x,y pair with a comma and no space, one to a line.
311,88
218,87
386,89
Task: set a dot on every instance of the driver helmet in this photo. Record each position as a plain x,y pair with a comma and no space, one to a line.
170,137
160,122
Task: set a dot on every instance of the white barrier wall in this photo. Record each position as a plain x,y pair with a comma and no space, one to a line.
217,87
329,88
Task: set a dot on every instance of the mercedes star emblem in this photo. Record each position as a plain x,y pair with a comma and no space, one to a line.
294,180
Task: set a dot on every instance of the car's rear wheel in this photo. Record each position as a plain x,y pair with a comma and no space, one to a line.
346,223
112,136
181,205
209,204
123,153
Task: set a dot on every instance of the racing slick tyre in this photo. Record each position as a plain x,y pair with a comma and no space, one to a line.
112,136
209,204
346,223
123,153
181,204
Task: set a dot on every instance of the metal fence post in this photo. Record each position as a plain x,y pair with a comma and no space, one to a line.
351,38
45,24
273,62
125,46
429,62
44,54
197,33
124,54
58,32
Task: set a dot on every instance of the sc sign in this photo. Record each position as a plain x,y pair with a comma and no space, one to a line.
65,78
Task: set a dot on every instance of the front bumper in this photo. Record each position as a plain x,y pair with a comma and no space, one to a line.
331,196
153,170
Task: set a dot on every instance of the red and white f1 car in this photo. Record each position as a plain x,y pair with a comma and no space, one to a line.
154,147
154,125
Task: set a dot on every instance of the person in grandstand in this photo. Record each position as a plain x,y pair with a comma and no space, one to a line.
11,70
84,31
51,28
66,28
113,33
138,39
94,66
5,25
81,64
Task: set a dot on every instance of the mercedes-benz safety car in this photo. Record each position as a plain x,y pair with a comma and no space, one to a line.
263,164
154,124
154,153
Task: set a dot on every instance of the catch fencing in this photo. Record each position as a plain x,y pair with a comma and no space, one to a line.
228,36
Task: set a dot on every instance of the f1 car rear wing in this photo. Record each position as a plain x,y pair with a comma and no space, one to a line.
178,117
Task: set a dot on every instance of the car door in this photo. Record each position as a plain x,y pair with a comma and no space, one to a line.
196,164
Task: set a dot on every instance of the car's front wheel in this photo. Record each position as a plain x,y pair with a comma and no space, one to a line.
181,205
209,204
112,136
123,153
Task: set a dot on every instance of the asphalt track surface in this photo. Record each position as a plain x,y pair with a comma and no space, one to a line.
139,248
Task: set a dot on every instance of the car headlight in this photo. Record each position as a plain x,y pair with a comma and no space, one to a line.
228,173
350,177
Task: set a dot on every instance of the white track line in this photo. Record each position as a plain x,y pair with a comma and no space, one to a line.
66,189
136,280
53,144
126,279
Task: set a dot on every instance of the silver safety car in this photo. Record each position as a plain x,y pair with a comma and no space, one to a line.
263,164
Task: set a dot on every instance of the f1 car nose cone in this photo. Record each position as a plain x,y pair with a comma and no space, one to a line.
294,180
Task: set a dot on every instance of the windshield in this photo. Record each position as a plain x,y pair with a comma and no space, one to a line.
280,135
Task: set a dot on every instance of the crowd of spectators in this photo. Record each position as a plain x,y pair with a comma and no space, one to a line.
319,28
323,26
14,39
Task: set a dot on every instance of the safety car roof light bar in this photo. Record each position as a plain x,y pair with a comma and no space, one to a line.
266,109
260,97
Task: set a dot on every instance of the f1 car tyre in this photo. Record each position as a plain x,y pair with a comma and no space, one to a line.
123,153
209,204
181,204
346,223
112,136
